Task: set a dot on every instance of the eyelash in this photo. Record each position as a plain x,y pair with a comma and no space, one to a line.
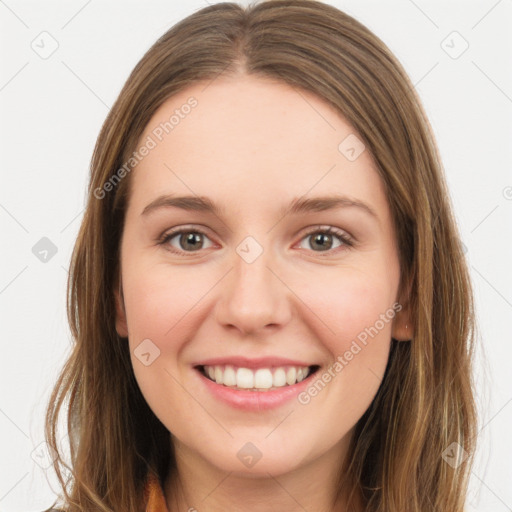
347,241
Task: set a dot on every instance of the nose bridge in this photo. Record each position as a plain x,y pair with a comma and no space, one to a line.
253,282
254,297
253,274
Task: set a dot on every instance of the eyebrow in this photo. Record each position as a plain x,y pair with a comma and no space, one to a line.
297,206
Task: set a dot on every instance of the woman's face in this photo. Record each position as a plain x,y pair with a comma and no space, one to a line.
256,290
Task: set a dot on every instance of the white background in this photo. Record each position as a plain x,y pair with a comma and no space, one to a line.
51,113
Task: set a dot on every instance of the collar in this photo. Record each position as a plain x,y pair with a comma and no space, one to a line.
153,494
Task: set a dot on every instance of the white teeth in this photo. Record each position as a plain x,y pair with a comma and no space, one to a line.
244,378
279,379
229,378
219,374
262,378
291,376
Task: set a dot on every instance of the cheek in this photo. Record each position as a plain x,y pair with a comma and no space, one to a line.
159,302
353,315
350,305
342,313
160,307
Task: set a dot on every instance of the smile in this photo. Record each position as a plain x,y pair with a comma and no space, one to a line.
254,389
261,379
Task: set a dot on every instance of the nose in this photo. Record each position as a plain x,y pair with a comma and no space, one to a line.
253,298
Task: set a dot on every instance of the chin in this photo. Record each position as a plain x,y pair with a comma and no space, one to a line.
256,459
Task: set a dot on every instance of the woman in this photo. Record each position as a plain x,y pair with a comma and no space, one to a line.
268,295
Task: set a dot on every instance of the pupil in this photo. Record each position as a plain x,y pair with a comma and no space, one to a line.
192,238
321,237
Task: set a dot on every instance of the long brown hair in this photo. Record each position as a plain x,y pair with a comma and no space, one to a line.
426,400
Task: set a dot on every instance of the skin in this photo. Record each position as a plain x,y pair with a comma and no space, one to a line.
252,145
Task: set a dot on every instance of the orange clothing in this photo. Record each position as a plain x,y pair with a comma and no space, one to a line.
154,495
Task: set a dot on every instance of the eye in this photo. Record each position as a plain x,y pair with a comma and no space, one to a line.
191,240
324,237
188,240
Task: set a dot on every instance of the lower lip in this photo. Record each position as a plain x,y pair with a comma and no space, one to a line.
254,400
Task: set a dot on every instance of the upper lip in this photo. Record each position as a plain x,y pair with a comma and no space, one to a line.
260,362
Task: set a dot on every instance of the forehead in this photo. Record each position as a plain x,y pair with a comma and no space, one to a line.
255,139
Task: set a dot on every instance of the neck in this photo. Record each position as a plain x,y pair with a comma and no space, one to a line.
198,486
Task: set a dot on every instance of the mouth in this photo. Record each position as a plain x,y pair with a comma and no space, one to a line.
256,379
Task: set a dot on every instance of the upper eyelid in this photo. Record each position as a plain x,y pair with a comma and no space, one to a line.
338,232
205,230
